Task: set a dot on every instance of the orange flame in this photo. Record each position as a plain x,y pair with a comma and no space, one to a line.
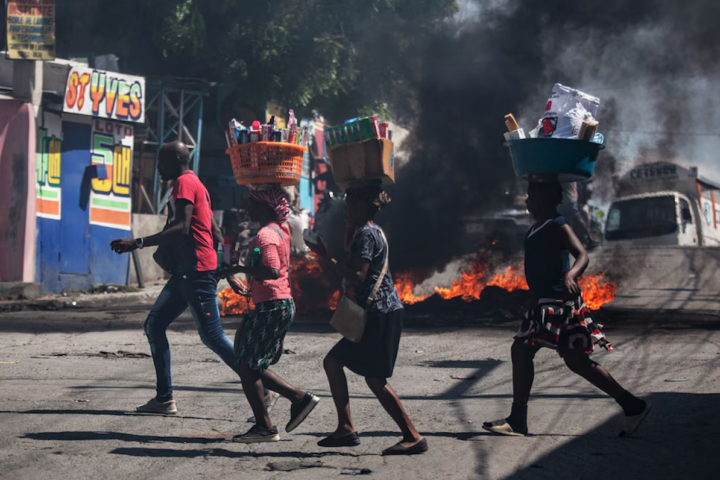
232,303
597,291
469,286
405,287
511,280
312,290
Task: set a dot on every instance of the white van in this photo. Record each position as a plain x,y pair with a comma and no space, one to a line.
665,204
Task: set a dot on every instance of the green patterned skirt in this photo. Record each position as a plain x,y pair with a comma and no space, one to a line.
259,340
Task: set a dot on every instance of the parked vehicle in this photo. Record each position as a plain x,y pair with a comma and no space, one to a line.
665,204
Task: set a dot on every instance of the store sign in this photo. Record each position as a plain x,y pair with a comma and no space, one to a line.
31,29
48,190
110,95
111,146
654,171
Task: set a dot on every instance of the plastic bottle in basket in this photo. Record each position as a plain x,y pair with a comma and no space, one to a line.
383,129
366,127
374,124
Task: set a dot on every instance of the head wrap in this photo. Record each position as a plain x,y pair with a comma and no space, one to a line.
275,197
370,194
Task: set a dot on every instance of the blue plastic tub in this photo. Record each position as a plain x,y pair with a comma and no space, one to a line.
571,160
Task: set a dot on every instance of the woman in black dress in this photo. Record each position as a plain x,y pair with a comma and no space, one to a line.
374,357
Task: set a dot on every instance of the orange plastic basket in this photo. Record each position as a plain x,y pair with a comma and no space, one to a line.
267,162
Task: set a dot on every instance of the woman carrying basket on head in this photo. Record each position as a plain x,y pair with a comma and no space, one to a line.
559,319
375,354
263,331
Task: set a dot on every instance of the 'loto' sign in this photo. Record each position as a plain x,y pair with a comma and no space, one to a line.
111,95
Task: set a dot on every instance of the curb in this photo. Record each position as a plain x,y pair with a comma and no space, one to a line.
142,299
85,301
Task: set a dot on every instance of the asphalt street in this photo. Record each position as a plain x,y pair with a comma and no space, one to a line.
70,380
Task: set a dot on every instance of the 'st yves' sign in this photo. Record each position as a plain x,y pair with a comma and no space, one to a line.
111,95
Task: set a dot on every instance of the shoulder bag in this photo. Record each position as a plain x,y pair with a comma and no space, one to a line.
350,318
163,256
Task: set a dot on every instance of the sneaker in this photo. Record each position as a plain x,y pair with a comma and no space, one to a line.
633,422
271,399
153,406
258,434
300,410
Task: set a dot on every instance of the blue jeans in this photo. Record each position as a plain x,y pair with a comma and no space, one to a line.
198,291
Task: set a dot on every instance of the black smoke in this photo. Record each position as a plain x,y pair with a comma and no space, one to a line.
636,56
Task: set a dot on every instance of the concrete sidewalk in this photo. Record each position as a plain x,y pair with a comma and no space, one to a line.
123,297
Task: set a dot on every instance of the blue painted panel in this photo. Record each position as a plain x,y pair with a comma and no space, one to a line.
307,200
74,223
106,266
48,255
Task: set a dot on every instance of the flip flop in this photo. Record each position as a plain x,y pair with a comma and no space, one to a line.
349,440
399,449
502,427
633,422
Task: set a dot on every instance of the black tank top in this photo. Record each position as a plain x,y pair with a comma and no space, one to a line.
546,259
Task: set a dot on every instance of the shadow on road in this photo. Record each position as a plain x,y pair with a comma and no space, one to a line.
116,413
479,364
465,436
124,437
458,391
679,440
221,452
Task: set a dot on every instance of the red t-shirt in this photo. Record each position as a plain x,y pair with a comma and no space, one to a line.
196,253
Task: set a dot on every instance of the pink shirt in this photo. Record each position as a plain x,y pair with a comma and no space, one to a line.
275,254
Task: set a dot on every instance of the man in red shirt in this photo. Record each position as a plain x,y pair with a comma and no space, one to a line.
186,251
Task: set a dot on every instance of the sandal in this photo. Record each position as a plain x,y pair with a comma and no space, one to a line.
502,427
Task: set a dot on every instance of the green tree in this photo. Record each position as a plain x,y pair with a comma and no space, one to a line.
339,56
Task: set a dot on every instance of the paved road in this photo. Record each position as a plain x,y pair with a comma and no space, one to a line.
66,413
682,280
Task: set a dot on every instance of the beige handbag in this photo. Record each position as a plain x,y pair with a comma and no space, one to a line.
350,318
